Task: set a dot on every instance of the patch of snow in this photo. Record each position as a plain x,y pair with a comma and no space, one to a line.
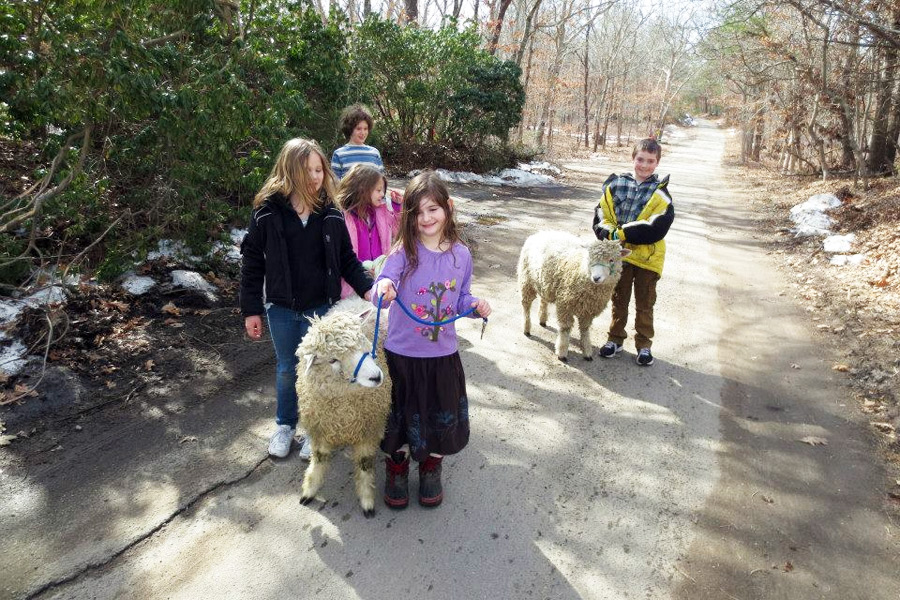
520,178
10,311
52,294
838,243
12,358
509,177
810,215
138,285
172,249
540,167
193,280
853,260
232,251
237,236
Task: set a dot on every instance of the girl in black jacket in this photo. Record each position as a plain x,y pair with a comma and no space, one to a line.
298,248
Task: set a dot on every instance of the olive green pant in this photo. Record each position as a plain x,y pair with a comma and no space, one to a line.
644,283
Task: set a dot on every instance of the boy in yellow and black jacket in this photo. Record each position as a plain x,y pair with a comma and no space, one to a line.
637,210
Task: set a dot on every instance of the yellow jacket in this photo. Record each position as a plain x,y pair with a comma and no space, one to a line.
643,236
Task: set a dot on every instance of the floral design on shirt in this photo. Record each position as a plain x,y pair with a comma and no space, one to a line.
433,311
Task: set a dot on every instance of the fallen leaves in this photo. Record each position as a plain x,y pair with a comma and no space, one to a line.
882,426
171,309
840,367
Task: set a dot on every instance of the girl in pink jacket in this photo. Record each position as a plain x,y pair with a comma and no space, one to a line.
371,219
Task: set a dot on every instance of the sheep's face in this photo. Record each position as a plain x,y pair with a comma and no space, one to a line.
605,260
334,346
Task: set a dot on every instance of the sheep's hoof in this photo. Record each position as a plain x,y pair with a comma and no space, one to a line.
563,359
588,357
544,324
369,513
304,500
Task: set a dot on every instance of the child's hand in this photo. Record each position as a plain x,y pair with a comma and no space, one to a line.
396,197
253,327
482,307
385,287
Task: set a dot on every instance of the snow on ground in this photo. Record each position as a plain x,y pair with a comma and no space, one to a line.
193,280
810,215
811,219
137,285
519,177
835,244
13,352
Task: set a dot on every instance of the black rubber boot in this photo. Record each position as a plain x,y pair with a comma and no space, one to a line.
431,493
396,484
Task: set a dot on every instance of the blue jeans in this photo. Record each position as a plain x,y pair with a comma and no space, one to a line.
287,328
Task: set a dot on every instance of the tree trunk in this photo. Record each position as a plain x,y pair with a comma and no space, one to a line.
411,12
879,141
587,72
498,26
526,33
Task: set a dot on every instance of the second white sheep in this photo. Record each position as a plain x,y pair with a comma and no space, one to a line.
577,276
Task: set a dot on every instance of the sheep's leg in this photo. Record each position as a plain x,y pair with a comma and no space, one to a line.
364,474
528,294
315,472
542,314
584,328
562,338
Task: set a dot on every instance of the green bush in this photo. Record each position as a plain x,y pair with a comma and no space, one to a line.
187,117
433,86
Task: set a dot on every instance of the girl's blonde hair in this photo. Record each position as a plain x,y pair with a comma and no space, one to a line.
424,185
289,175
355,190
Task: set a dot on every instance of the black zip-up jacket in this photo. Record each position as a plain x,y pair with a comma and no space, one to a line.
265,258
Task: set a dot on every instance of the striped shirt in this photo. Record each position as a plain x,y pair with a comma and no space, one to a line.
630,197
348,155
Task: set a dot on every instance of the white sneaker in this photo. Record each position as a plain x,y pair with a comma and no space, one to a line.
305,451
280,443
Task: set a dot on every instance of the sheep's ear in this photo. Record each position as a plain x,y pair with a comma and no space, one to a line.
366,314
623,252
310,360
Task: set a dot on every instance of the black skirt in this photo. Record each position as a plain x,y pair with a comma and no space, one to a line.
429,406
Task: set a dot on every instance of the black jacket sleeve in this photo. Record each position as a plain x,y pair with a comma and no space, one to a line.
253,269
651,230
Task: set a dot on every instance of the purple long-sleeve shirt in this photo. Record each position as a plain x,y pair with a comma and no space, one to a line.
437,290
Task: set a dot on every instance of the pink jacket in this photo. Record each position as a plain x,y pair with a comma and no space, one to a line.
387,223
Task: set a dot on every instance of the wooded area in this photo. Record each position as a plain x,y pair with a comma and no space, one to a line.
124,123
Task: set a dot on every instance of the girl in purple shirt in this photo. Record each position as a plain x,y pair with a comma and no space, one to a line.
430,271
371,219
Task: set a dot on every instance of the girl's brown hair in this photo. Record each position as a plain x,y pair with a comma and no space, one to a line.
351,117
355,190
424,185
289,175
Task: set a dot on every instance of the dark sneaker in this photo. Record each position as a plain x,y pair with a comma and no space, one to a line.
644,358
431,493
396,484
610,349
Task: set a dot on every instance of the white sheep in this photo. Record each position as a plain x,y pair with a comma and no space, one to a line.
578,276
338,408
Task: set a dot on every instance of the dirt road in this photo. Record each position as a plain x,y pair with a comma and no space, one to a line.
593,479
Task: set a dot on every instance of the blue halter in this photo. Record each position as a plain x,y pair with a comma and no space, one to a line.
412,316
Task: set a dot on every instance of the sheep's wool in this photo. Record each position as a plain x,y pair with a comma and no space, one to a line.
333,410
556,267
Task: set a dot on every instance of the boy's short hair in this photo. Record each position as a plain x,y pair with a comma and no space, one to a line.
352,116
647,145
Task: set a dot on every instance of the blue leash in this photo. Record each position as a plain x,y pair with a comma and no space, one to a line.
410,314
